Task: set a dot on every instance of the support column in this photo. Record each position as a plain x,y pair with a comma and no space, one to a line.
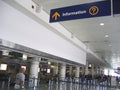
92,70
86,69
62,77
70,71
77,78
63,71
77,72
56,70
34,72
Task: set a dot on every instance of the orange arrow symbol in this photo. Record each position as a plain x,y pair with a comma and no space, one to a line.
56,15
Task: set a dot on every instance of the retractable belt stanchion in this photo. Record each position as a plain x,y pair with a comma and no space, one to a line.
8,85
49,85
57,83
71,84
3,84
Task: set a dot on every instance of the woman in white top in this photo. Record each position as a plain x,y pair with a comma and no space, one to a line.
20,79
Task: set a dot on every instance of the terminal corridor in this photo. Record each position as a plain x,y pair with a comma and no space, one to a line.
59,44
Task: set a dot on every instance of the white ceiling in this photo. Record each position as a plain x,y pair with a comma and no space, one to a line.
90,32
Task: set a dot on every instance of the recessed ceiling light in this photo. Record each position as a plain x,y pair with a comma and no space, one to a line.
90,65
106,36
102,24
114,54
109,45
49,63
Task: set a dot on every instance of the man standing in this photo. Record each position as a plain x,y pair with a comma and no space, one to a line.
20,79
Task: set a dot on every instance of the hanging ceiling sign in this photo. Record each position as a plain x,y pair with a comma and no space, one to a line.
116,6
89,10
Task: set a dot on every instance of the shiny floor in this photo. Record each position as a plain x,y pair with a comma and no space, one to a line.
73,87
51,85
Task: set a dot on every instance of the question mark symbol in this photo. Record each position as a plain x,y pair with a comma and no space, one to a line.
93,10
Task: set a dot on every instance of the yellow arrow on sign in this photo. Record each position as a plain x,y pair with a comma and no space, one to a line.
56,15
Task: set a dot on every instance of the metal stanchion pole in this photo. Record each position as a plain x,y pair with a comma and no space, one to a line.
57,84
74,84
33,82
65,84
60,85
3,84
71,84
8,85
95,83
102,85
38,82
30,83
77,82
49,86
98,85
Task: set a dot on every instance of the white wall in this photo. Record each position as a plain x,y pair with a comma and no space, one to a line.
20,29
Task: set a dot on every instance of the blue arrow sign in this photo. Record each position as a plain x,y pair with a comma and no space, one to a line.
89,10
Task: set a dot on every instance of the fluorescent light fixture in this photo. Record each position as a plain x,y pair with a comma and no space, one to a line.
106,36
23,67
90,65
102,24
3,66
24,57
48,70
49,63
5,52
110,45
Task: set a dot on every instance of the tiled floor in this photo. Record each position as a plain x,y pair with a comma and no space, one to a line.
85,87
62,86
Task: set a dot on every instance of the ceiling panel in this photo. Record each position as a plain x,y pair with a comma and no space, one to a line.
89,30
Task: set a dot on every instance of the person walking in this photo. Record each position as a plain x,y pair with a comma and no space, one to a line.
20,79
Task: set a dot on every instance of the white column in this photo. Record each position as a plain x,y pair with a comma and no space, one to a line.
77,77
56,69
62,77
86,69
70,70
63,71
34,70
77,72
92,70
